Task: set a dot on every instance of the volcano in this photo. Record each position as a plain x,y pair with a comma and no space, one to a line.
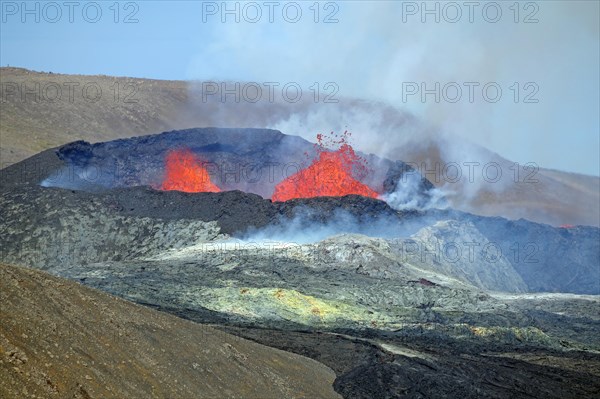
258,161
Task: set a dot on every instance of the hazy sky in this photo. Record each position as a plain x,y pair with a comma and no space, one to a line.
543,56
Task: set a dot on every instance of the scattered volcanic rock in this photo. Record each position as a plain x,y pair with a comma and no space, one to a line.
60,339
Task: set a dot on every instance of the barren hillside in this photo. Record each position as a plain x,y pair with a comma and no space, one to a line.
59,339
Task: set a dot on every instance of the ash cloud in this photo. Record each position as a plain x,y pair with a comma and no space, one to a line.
372,51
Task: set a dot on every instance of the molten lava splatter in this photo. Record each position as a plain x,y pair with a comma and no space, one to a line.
184,172
329,175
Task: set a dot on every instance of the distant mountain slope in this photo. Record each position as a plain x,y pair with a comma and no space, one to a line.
542,195
30,122
60,339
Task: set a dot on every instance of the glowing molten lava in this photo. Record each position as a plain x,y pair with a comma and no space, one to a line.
184,172
330,175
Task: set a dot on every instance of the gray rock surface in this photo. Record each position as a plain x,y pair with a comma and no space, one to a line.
459,250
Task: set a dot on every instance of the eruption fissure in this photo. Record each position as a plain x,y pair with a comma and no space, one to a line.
329,175
184,172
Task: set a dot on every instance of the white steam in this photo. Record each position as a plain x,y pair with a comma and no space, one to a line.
407,195
305,228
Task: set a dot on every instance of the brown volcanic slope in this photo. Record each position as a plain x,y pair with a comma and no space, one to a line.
59,339
31,124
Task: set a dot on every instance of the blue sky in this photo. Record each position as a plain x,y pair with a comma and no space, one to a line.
372,51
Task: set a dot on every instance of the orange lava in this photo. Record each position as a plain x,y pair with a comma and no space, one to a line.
184,172
330,175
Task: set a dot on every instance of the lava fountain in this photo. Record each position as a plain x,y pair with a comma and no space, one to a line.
329,175
184,172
